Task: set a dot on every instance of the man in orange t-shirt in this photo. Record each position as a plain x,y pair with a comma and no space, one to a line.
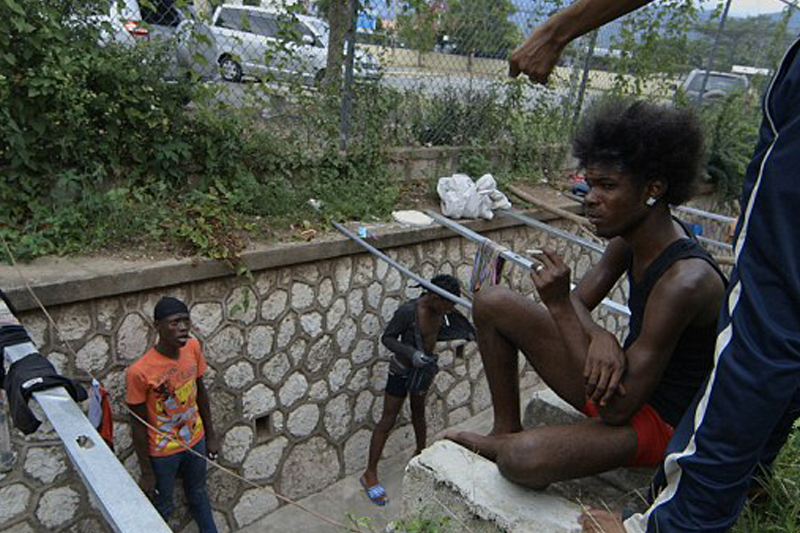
165,388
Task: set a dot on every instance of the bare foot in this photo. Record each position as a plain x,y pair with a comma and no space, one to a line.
597,521
484,445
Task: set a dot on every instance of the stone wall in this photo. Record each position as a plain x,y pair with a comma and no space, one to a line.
296,370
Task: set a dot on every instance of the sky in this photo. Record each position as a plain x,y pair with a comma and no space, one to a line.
745,8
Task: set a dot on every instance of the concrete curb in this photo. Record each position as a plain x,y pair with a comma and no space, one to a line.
68,280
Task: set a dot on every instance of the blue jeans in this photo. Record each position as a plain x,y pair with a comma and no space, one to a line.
193,470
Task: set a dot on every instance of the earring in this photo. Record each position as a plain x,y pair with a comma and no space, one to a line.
650,202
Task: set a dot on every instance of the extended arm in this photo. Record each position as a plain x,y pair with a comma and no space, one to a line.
212,443
538,56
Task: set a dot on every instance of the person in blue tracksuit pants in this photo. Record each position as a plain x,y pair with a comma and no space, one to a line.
744,414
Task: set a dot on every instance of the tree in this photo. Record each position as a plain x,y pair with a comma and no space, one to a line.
417,28
481,27
745,41
339,14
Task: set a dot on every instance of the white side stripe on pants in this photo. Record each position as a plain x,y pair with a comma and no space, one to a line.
672,470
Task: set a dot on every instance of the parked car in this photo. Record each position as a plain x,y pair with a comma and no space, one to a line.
257,41
719,85
190,42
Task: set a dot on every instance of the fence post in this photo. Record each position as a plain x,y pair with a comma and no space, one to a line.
584,77
710,63
347,91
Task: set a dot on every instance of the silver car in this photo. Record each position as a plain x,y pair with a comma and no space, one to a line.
719,85
262,42
191,43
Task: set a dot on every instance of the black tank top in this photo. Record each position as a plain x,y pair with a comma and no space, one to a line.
693,357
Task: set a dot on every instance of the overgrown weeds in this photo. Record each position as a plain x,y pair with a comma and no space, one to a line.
778,511
99,151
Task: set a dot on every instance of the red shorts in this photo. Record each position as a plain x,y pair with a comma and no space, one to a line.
652,434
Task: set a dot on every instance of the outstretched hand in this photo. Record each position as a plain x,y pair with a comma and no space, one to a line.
537,57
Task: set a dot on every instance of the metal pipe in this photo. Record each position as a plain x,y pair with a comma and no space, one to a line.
704,214
419,279
682,208
511,255
123,504
679,208
530,221
712,242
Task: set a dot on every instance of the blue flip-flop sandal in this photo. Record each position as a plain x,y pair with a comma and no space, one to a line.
376,493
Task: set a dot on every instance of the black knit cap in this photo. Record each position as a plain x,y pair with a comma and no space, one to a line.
168,306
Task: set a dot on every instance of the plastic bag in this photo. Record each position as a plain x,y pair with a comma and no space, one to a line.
461,198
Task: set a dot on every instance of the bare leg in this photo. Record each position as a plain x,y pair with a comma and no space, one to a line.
597,521
391,408
418,421
508,322
541,456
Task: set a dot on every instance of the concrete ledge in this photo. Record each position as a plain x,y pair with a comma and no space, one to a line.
59,280
447,479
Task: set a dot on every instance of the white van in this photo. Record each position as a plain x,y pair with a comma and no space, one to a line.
257,41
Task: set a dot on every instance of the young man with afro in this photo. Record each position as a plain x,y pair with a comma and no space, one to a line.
639,159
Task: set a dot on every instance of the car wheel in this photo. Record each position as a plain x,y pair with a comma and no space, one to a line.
230,69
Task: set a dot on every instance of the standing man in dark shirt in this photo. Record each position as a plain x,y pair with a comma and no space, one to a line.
411,336
640,159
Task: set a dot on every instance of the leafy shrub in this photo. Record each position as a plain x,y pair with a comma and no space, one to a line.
731,130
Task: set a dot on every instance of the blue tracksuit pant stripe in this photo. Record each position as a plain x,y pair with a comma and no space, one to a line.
747,407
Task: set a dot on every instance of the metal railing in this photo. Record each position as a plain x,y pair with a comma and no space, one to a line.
122,503
514,257
419,279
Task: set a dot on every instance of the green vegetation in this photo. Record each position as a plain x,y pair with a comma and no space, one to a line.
731,127
98,151
481,27
778,510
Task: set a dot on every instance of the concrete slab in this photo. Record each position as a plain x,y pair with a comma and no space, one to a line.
449,480
343,501
345,498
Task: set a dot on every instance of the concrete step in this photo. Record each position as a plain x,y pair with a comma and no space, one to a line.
447,480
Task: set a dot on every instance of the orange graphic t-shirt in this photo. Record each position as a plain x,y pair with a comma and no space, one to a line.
169,390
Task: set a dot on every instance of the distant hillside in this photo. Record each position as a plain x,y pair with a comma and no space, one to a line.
794,22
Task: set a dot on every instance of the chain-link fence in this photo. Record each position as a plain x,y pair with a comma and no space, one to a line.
246,109
446,59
